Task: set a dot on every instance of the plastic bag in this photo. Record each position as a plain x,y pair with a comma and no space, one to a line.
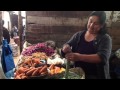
7,57
2,75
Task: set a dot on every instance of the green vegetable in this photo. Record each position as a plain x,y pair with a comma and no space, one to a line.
67,69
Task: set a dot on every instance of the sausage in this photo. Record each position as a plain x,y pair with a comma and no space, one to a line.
17,77
52,66
28,73
33,64
27,70
21,70
44,68
35,73
23,77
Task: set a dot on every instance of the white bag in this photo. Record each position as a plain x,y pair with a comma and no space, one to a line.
14,48
2,75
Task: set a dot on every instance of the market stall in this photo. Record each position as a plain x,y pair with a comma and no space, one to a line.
41,61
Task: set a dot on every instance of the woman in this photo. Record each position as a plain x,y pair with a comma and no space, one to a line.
6,34
90,49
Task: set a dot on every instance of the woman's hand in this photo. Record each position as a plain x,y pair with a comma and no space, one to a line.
72,56
66,49
91,58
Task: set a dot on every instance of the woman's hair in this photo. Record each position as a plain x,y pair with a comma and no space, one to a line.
101,15
103,30
102,19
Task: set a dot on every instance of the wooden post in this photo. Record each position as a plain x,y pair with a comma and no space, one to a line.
10,14
1,31
20,30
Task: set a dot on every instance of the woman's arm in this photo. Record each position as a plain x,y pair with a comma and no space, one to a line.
71,43
102,56
105,48
92,58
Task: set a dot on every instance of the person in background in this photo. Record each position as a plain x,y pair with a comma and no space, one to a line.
12,33
23,33
15,31
6,34
91,48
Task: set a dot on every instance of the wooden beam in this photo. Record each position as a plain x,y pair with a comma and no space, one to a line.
56,21
20,30
1,31
68,14
53,29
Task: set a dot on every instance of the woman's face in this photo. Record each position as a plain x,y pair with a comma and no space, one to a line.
93,25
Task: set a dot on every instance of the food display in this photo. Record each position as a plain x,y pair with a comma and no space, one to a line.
38,72
33,63
41,62
36,65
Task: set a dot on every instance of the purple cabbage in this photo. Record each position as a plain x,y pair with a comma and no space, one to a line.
40,47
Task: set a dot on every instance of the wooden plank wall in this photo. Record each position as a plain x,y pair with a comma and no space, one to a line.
58,26
115,34
61,25
114,30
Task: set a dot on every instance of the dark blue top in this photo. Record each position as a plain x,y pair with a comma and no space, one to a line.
85,47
